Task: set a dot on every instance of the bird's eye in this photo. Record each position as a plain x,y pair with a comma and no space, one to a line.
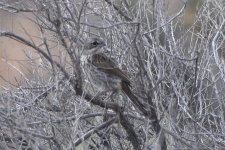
95,43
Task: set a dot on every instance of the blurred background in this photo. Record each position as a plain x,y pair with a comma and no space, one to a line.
13,60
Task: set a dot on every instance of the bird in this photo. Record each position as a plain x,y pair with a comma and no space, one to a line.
104,73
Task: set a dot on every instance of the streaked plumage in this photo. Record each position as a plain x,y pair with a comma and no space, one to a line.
104,73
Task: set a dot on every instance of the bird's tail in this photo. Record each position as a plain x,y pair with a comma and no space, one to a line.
133,98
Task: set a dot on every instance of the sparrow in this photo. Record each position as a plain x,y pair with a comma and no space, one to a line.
103,71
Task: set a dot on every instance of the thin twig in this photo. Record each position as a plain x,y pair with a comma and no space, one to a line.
91,132
170,20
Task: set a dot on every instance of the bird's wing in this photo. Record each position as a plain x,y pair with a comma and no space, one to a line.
107,65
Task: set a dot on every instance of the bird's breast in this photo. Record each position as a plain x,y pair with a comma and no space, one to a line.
103,80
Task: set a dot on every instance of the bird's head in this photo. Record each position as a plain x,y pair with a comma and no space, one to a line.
93,46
